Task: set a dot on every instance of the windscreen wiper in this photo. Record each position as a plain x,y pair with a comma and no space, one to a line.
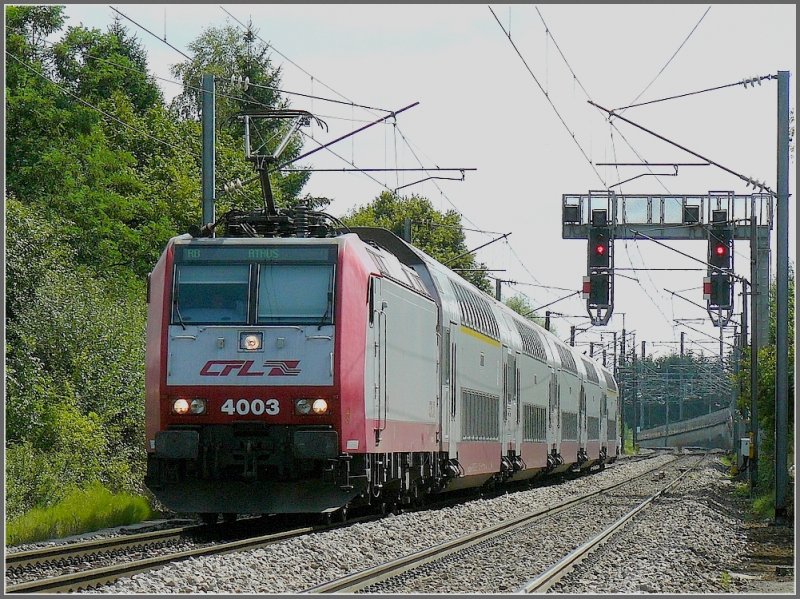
178,312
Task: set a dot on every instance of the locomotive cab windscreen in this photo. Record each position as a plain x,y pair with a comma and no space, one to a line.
284,285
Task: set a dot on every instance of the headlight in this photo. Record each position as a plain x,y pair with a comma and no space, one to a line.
198,406
302,406
181,406
250,341
320,406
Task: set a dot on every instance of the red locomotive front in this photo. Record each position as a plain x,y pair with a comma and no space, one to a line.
255,389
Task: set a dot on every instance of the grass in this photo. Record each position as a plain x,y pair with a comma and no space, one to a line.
764,505
725,580
80,511
628,447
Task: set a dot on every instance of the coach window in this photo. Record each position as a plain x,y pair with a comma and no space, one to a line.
295,294
210,294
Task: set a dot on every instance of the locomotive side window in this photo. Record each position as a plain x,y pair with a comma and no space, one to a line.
211,294
295,294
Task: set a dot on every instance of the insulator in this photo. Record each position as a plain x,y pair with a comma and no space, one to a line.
301,219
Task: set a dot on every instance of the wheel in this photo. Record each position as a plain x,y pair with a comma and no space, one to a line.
209,518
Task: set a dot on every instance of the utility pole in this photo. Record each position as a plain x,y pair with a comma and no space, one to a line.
209,180
572,335
498,284
682,334
637,417
782,317
591,349
407,233
622,390
547,320
755,342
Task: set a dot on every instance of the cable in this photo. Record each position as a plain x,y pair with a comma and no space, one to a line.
350,102
318,97
181,52
589,97
672,57
444,195
92,106
307,136
547,97
270,45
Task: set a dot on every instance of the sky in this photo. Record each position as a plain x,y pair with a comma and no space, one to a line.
479,107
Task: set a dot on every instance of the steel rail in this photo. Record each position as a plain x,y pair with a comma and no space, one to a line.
98,576
64,551
546,580
357,581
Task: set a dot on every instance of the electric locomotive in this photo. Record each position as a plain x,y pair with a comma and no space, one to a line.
296,366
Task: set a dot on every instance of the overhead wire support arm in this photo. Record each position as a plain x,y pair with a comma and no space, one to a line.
476,249
747,180
374,170
346,135
744,82
461,178
554,302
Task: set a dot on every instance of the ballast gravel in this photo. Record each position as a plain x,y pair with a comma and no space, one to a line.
298,564
683,543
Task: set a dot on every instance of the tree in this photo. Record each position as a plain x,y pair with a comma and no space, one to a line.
225,52
439,235
98,65
766,386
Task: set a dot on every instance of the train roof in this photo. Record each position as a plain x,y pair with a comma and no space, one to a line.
463,299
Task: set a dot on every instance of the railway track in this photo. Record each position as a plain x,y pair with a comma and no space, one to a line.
362,580
94,577
86,578
546,580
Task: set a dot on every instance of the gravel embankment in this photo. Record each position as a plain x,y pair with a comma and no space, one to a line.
507,562
297,564
683,543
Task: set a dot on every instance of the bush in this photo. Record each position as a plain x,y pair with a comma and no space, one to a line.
78,512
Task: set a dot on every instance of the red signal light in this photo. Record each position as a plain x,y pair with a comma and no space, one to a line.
720,250
600,249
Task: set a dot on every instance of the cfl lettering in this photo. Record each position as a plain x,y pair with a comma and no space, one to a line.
225,367
242,368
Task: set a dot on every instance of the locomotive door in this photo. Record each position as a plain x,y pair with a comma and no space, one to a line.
378,317
448,360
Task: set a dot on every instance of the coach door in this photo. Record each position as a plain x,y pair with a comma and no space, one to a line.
582,433
554,412
509,398
448,383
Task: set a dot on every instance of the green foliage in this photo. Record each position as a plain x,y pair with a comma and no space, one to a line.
224,52
78,512
766,389
91,199
439,235
764,506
